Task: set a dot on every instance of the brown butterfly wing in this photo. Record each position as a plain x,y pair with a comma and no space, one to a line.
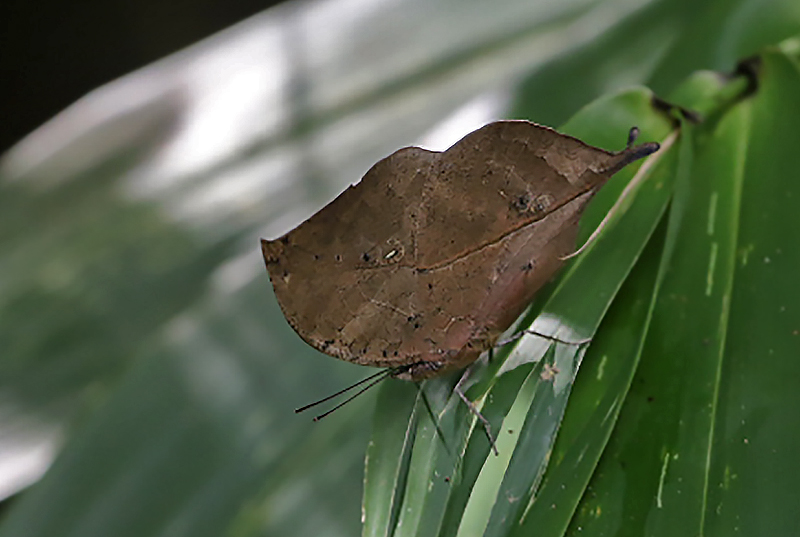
433,255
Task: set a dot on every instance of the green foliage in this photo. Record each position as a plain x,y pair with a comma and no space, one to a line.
671,401
167,391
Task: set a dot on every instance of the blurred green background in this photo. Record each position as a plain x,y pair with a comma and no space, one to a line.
147,376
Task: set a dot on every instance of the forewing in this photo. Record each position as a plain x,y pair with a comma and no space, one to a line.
432,255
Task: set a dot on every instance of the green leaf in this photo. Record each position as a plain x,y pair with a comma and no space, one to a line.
675,475
754,444
596,398
594,407
387,457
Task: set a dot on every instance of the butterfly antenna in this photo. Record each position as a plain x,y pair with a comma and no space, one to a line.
382,374
386,374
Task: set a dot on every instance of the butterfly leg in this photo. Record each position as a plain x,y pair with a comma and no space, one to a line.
487,427
514,337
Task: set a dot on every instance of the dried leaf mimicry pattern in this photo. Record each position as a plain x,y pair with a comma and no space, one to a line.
433,255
